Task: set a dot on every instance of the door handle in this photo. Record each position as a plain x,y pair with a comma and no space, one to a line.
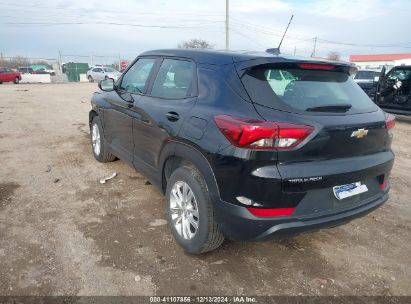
172,116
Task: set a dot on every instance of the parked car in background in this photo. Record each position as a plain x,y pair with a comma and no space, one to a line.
26,70
393,91
366,76
246,146
9,75
368,80
98,73
51,72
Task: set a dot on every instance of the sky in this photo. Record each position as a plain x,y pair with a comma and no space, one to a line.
125,28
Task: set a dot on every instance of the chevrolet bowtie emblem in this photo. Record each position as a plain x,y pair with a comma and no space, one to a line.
360,133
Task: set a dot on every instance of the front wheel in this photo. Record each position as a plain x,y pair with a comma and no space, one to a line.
90,79
190,212
16,80
98,144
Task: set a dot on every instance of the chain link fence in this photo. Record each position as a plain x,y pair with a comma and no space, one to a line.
56,67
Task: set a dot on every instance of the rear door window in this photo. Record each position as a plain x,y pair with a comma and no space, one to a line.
174,79
294,89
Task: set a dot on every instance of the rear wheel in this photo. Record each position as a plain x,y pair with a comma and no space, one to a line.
98,143
16,80
190,212
90,79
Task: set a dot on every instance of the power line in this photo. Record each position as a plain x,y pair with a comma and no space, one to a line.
365,45
105,23
265,30
102,18
65,9
248,37
202,21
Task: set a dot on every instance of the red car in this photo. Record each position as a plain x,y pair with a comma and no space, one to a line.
9,75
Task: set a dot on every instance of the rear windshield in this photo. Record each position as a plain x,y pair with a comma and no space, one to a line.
300,89
366,75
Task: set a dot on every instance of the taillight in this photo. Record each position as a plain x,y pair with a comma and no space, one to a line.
390,121
261,134
384,185
271,212
316,66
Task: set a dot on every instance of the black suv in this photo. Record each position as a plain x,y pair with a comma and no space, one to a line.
393,90
246,146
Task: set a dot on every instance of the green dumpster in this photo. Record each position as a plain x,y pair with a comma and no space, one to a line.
74,69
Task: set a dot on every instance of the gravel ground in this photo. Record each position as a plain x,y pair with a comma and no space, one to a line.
64,233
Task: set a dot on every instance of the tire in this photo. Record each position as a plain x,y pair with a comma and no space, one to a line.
207,236
90,79
101,154
16,80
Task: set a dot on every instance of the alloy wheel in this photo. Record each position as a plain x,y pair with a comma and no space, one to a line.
95,139
184,210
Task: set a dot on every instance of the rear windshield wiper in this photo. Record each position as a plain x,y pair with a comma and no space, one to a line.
341,107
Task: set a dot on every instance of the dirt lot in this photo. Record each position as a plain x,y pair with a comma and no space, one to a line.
64,233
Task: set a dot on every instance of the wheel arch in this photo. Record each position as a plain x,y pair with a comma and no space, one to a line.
176,154
91,116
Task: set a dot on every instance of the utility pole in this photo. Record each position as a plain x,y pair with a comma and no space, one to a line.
227,29
60,63
315,45
295,50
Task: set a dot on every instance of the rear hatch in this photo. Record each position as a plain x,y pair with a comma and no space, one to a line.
349,142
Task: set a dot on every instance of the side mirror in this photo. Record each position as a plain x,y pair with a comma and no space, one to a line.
376,78
107,85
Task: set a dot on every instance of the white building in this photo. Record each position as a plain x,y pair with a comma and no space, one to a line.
379,60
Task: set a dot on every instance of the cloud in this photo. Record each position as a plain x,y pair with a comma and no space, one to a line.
269,6
354,10
256,24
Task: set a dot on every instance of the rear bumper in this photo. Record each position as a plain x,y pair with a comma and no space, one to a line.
271,184
237,223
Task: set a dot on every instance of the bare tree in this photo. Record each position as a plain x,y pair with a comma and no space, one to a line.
334,56
14,62
40,62
196,44
19,61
